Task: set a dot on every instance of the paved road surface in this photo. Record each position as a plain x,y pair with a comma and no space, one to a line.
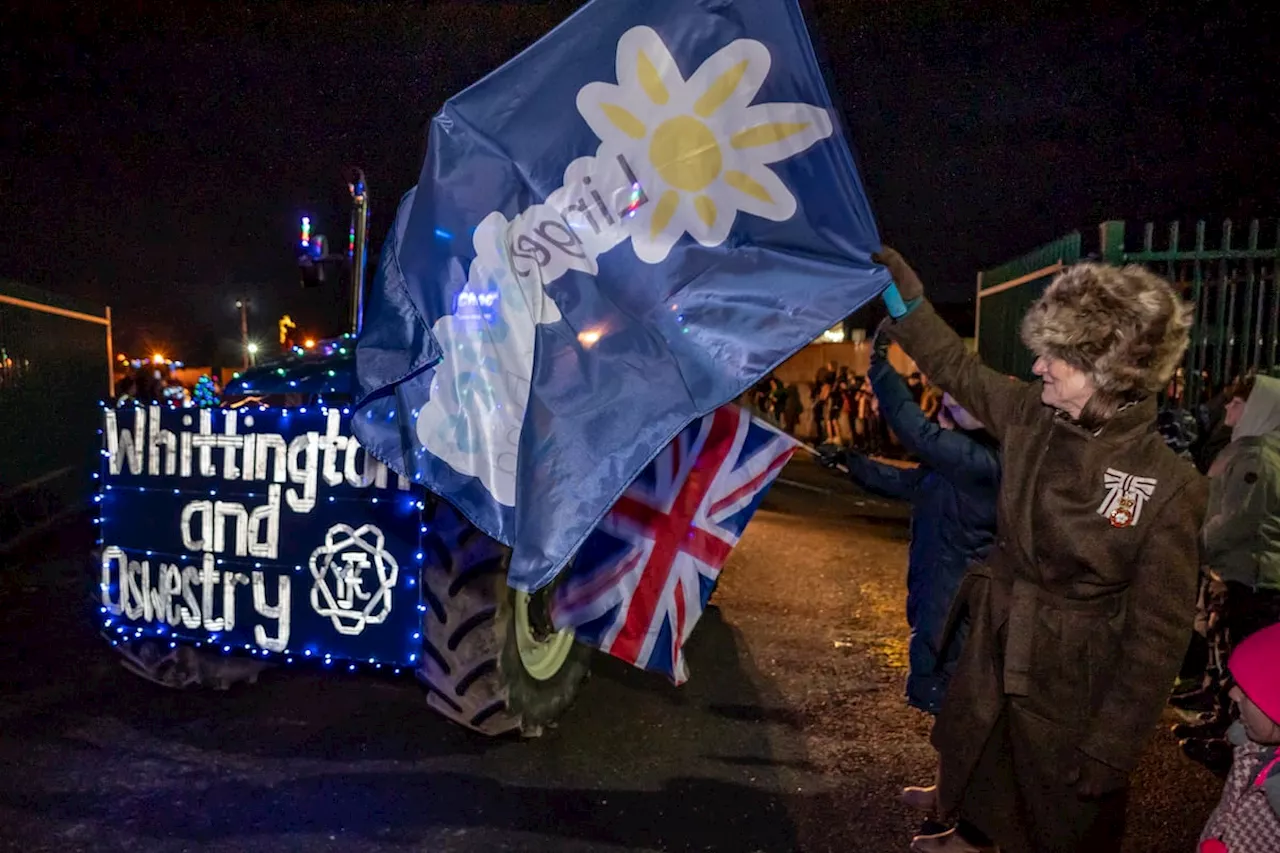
791,735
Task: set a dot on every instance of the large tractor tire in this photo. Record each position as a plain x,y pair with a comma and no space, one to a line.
491,660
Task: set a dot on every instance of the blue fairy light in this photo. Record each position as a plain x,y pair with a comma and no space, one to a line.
235,641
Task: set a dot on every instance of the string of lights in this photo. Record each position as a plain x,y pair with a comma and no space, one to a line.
151,590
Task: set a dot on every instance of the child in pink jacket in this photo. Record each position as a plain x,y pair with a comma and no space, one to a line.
1248,818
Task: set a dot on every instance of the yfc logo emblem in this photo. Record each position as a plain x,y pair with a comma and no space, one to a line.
698,148
354,577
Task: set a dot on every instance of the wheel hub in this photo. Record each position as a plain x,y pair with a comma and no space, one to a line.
543,650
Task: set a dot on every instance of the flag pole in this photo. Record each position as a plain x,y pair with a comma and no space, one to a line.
813,451
807,448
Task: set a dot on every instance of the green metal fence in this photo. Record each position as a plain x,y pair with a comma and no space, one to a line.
1232,283
1004,295
55,364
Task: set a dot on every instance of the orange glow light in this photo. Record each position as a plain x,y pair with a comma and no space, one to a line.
309,343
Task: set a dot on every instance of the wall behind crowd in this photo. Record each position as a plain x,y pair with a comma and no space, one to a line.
802,367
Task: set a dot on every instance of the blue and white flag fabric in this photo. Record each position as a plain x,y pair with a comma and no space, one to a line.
613,235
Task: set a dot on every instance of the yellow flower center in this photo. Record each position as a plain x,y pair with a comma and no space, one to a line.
685,153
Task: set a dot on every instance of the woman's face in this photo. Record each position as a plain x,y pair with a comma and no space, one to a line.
1235,409
1065,387
1260,728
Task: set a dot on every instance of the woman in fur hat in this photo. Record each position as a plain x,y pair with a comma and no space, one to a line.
1081,613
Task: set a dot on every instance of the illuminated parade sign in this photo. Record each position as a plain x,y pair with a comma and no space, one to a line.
260,528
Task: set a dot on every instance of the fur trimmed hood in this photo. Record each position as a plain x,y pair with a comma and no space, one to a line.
1125,327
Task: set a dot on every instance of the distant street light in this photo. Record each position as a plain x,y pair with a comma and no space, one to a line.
309,343
157,359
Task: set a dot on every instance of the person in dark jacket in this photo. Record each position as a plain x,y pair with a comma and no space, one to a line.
953,521
1215,433
792,408
953,514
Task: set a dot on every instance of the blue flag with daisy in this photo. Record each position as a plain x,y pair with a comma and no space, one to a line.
614,234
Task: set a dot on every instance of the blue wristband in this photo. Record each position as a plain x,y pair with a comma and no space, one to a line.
893,301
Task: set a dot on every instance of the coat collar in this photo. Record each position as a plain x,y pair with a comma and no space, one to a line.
1131,420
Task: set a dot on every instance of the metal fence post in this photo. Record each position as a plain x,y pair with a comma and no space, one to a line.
1111,241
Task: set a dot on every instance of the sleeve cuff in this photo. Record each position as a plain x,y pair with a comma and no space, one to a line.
894,302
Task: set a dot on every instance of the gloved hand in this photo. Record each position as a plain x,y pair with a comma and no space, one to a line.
1094,779
909,285
830,456
880,342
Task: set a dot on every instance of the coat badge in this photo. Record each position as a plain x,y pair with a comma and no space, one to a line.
1125,496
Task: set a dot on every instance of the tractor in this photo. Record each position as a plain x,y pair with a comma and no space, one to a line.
258,533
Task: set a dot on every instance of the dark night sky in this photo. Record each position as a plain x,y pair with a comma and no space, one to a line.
156,156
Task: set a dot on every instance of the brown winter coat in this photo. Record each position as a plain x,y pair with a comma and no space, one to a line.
1080,615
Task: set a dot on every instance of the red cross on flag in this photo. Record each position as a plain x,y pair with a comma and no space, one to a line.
641,581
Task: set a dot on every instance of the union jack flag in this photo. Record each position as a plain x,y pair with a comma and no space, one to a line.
641,580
